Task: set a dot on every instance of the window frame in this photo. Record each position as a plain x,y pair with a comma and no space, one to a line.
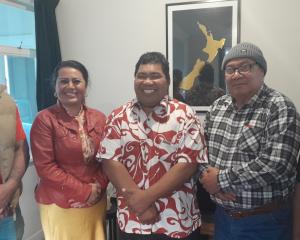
23,4
11,51
6,51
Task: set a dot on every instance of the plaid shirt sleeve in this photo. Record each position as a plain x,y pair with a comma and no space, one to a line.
277,157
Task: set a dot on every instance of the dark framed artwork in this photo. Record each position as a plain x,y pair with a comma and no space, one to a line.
198,36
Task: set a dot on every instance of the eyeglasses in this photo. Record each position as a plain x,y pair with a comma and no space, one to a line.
245,68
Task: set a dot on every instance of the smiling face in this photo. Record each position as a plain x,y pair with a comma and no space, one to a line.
243,86
70,87
150,86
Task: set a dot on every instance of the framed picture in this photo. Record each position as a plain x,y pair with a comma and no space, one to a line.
198,36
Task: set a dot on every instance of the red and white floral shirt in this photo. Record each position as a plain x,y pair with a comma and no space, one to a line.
149,146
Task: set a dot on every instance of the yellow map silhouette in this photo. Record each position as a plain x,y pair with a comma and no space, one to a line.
211,48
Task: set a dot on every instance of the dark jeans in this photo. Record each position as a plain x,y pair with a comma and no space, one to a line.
276,225
7,229
19,223
130,236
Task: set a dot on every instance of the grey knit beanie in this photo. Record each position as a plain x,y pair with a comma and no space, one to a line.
246,50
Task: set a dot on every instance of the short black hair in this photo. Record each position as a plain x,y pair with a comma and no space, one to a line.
71,64
154,58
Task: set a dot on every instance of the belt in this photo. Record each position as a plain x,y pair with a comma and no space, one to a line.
267,208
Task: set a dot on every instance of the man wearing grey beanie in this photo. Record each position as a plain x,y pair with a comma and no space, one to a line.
253,137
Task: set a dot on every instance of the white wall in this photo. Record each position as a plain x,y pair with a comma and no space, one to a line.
274,26
109,37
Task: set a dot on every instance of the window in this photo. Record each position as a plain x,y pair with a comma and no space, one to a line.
17,56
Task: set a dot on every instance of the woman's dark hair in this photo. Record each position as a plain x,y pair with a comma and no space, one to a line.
71,64
154,58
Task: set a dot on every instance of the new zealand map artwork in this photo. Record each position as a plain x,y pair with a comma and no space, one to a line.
211,49
200,39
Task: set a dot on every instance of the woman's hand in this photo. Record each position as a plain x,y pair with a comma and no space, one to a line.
95,195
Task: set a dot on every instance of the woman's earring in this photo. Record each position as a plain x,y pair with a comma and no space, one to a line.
55,94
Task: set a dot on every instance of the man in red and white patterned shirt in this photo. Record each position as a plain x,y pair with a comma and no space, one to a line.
151,149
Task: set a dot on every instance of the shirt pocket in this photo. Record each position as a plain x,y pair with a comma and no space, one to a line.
94,135
165,150
96,131
251,137
60,132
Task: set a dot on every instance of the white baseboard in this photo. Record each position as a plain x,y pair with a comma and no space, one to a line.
37,236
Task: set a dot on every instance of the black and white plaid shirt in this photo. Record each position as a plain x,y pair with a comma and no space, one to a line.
254,147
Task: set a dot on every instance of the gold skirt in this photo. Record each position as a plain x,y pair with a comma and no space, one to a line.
74,223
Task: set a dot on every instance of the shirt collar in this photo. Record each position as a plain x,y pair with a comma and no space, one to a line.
253,99
160,111
61,109
64,119
163,104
